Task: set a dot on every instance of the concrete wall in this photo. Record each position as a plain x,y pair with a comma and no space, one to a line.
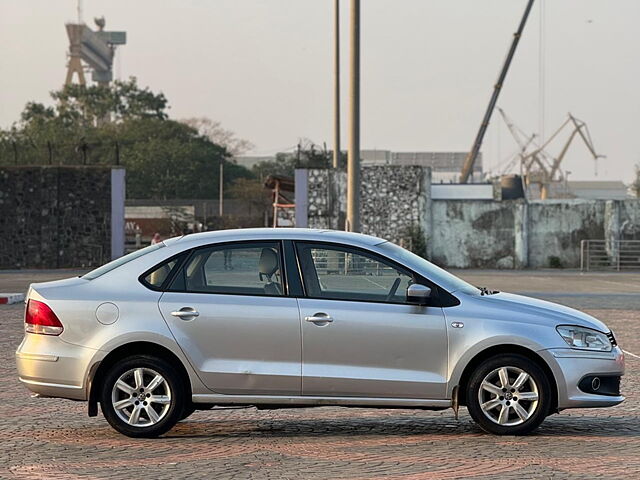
556,228
473,233
60,217
469,233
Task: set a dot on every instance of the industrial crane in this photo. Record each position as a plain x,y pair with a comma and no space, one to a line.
467,168
538,165
521,138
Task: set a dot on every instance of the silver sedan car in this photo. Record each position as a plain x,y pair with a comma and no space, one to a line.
277,318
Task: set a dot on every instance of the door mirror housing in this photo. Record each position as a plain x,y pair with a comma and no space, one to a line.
418,294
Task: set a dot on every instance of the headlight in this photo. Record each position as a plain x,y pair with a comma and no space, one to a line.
584,338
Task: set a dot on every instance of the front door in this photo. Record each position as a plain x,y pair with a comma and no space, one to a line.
228,312
360,337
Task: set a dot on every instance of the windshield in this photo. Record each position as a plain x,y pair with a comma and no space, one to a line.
437,275
121,261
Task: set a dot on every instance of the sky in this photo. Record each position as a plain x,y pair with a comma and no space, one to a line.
264,69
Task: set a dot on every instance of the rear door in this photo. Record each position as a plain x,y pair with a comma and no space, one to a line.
360,336
229,311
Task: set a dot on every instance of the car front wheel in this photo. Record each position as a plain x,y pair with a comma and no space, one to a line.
143,396
508,395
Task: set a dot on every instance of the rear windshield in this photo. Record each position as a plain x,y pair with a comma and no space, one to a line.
121,261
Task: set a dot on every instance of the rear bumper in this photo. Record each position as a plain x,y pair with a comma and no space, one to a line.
572,366
52,367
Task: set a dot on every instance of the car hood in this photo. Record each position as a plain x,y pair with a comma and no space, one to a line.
543,312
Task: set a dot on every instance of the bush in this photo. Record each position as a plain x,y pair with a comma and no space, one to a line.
417,241
555,262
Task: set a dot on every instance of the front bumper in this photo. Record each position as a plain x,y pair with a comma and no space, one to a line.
51,367
571,366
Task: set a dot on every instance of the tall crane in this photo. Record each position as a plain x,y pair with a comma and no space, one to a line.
548,167
475,149
537,164
522,139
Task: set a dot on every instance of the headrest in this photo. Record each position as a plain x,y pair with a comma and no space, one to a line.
268,262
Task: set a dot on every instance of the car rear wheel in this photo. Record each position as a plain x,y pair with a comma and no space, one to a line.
143,396
508,395
189,409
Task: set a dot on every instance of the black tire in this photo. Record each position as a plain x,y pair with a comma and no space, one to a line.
537,411
176,398
189,409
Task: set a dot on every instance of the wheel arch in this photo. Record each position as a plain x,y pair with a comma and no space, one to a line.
128,349
504,350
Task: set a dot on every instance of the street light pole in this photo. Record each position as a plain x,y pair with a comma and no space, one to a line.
336,86
353,158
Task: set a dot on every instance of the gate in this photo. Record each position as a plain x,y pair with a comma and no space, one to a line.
609,255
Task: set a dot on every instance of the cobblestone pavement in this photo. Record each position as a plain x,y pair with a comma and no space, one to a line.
54,439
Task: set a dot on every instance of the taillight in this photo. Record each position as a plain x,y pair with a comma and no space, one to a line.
39,318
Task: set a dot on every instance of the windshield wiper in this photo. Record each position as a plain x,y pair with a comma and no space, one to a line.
486,291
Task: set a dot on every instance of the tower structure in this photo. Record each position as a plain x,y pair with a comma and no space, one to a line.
94,48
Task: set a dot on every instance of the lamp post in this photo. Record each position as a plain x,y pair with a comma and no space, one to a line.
353,158
336,86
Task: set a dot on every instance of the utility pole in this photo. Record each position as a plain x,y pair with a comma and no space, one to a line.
221,189
336,86
353,159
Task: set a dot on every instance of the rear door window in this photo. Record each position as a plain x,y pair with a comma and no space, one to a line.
243,268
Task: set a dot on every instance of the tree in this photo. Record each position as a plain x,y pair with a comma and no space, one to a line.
118,101
284,165
251,190
308,155
214,131
164,158
168,159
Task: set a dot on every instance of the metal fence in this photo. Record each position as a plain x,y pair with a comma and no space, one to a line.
71,153
609,255
329,262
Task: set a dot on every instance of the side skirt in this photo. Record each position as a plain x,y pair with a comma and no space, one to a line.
303,401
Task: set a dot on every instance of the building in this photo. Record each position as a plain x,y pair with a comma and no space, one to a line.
248,161
599,190
445,166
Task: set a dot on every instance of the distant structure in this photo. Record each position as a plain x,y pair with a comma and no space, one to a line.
585,189
445,166
249,161
599,190
539,167
95,48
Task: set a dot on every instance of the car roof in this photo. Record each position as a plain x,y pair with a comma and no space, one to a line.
275,234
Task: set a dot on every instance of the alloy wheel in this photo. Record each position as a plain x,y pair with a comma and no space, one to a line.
141,397
508,396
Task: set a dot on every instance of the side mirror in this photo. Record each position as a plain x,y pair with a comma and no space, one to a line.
418,294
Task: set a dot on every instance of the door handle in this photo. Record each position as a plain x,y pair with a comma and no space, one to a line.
185,313
319,318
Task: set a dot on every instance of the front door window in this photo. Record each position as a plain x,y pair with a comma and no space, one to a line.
343,273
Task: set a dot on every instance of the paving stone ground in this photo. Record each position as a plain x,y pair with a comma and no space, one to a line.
54,439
